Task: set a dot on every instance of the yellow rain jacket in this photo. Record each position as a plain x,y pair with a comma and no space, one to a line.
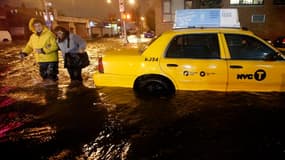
46,40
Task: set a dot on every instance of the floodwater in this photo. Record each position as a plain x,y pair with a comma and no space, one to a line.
64,122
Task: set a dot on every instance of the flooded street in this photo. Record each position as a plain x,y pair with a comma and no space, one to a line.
64,122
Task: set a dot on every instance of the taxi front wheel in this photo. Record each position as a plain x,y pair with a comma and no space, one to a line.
155,86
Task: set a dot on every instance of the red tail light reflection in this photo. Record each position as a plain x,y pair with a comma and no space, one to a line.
100,65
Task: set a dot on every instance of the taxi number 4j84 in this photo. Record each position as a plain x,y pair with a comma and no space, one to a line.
151,59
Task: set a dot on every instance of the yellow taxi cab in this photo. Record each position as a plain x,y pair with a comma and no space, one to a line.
217,59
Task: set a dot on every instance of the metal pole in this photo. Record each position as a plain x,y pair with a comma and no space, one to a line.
125,32
122,7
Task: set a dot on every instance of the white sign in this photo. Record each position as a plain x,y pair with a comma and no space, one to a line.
121,5
189,18
229,18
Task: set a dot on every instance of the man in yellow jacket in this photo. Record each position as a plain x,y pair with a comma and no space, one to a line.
42,44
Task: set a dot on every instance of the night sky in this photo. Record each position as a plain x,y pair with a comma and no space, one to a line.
77,8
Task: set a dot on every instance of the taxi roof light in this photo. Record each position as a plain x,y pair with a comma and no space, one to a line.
206,18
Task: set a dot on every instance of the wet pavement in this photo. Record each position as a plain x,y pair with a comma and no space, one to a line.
83,122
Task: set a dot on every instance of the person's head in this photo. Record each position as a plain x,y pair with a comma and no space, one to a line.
38,25
61,32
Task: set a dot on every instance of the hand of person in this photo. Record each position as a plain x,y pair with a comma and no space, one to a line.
39,51
81,51
22,55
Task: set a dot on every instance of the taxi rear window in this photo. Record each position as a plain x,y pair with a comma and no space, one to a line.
200,46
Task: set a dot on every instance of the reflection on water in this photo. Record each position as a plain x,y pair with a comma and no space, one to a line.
113,123
210,124
37,135
111,143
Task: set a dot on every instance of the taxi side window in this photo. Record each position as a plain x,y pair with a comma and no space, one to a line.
200,46
246,47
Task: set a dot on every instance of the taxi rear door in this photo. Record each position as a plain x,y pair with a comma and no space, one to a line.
253,65
194,62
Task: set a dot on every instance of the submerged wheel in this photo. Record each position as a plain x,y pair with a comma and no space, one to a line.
155,86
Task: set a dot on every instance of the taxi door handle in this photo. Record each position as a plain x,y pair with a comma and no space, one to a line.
235,66
172,65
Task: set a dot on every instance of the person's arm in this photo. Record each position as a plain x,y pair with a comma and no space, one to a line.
51,45
28,48
77,44
81,43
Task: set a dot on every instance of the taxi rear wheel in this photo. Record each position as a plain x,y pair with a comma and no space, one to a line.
154,86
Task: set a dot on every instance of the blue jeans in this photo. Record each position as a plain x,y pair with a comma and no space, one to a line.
49,70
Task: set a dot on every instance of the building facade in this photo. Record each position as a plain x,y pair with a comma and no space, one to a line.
16,20
265,18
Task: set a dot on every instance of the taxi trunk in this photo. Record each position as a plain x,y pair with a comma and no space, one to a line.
117,68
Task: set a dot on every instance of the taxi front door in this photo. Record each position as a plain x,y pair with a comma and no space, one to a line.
253,65
193,61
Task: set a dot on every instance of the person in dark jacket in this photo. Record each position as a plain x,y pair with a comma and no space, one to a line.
71,45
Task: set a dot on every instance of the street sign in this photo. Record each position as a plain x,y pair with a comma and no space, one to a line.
121,6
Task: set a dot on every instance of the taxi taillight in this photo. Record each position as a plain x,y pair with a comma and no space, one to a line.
100,65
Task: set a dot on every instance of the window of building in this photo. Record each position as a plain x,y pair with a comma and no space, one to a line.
246,2
169,8
188,4
197,46
258,18
166,11
282,2
244,47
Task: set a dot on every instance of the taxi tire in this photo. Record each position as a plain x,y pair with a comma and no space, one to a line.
155,86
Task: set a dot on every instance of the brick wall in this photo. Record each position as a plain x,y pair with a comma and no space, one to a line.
274,18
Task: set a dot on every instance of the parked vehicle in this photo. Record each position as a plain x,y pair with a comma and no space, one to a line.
131,31
212,58
218,59
149,34
5,36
